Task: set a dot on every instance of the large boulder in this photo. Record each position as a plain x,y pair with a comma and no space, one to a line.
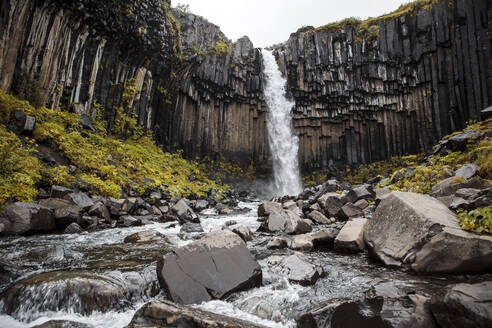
286,221
319,239
20,218
421,232
331,203
351,237
268,208
166,314
80,199
465,305
184,212
210,268
450,185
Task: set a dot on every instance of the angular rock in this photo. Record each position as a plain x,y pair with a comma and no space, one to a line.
467,171
277,243
73,228
449,186
361,203
364,192
268,208
184,212
465,305
348,211
66,215
166,314
80,199
318,217
100,210
319,239
459,142
20,218
60,192
351,238
146,237
242,231
211,267
130,221
331,203
191,227
286,221
296,268
419,231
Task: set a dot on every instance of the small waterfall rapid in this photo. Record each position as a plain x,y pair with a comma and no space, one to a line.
284,144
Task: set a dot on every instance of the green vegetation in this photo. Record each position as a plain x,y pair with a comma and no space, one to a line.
382,168
315,178
107,164
224,171
478,220
19,170
221,48
369,28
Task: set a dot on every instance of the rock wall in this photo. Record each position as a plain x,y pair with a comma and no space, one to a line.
422,77
80,52
358,98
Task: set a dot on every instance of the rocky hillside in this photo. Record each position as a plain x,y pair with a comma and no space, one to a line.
364,91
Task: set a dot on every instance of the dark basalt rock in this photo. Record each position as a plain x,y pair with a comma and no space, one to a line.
209,268
165,314
464,305
21,218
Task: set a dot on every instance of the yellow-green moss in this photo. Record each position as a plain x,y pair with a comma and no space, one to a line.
478,220
106,163
382,168
221,48
19,170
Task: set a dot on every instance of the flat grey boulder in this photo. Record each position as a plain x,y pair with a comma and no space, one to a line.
212,267
351,237
20,218
421,232
465,305
319,239
80,199
296,268
331,203
286,221
318,217
450,185
467,171
166,314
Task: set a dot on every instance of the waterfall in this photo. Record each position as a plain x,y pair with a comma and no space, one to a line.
283,143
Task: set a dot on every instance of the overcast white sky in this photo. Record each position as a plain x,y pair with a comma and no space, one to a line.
267,22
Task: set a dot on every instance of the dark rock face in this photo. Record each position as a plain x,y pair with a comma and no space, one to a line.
20,218
166,314
465,305
212,267
359,101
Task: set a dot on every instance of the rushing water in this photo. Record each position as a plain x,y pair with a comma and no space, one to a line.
96,279
284,144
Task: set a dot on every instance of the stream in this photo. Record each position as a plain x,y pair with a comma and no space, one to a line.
96,279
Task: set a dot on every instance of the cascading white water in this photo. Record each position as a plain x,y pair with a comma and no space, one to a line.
284,144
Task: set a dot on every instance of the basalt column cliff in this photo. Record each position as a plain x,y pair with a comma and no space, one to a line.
364,91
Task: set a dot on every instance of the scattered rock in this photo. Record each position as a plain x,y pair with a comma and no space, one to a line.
319,239
211,267
419,231
331,203
268,208
167,314
100,210
146,237
277,243
130,221
184,212
351,237
62,324
296,268
73,228
20,218
60,192
449,186
318,217
465,305
191,227
242,231
361,204
80,199
467,171
66,215
286,221
364,192
348,211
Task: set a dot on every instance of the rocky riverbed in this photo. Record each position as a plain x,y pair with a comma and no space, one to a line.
283,263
